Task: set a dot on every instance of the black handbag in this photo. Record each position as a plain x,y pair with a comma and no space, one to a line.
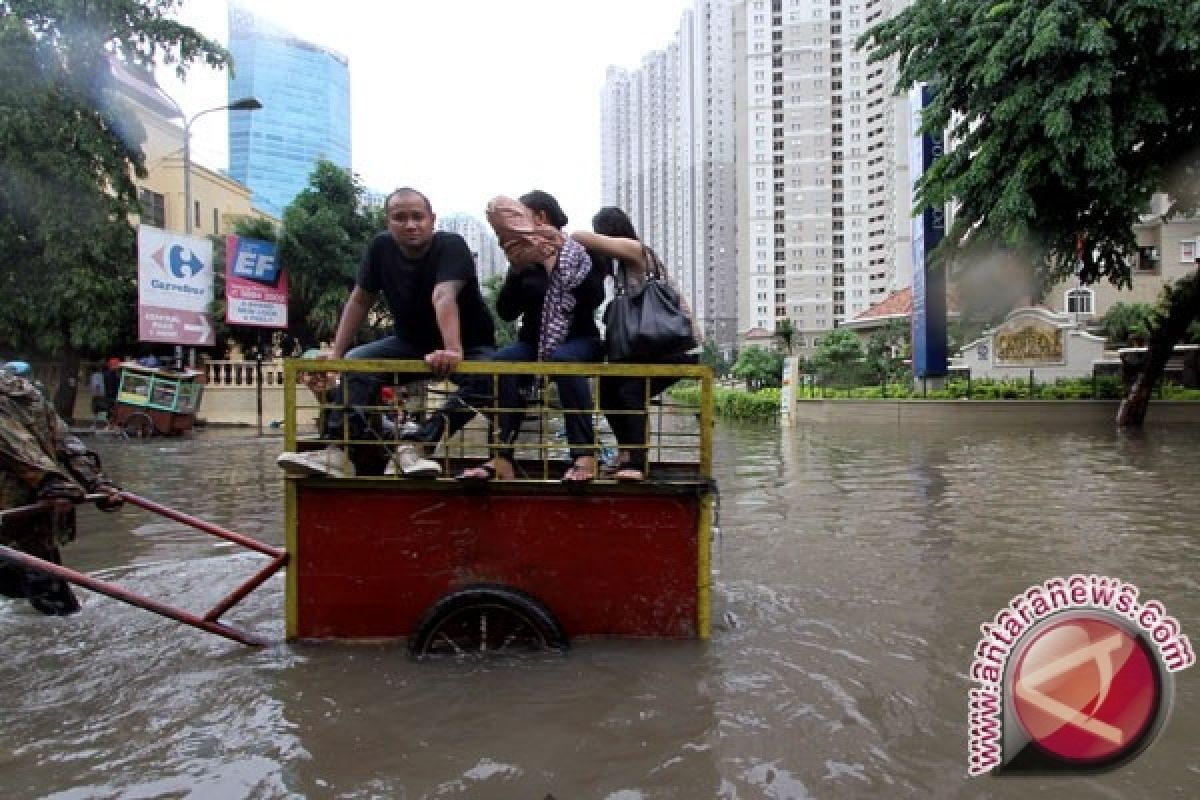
648,324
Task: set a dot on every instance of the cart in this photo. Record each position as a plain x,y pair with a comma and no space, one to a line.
454,568
154,401
528,564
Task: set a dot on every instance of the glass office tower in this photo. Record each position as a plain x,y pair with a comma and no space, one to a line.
305,92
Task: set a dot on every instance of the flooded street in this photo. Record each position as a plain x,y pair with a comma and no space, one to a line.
852,571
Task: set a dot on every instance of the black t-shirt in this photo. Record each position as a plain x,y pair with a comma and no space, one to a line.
407,285
524,292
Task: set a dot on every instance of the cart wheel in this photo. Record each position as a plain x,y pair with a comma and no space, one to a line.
139,425
486,620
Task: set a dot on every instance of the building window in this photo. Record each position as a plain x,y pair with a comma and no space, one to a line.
1187,251
154,208
1080,301
216,222
196,213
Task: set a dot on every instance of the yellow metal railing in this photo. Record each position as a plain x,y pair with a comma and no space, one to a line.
678,444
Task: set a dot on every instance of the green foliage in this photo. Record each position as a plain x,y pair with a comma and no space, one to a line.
840,358
759,367
1125,321
69,153
325,233
785,331
731,403
1066,116
711,357
506,330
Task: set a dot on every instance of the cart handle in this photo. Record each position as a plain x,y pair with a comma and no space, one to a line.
209,621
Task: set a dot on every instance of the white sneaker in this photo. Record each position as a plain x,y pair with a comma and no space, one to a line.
411,464
331,462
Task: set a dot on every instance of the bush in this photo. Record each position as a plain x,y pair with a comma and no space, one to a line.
733,403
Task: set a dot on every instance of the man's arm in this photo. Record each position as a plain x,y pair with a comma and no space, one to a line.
445,307
358,305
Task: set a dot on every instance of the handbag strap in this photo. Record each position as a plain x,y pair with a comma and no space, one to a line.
655,269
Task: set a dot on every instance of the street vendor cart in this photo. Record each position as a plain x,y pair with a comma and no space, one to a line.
156,401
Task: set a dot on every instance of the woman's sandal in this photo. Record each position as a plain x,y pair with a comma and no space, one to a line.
580,473
483,473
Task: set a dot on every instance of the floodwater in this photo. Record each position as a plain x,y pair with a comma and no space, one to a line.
852,569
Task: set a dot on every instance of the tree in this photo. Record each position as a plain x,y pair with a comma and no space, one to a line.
882,347
69,153
839,356
506,330
710,356
1067,116
785,332
1127,321
325,233
759,367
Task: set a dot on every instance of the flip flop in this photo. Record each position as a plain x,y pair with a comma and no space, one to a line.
579,474
488,474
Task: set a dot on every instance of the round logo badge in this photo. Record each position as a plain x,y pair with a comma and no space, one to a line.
1086,690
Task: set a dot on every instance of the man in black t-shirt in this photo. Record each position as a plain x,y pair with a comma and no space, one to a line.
430,284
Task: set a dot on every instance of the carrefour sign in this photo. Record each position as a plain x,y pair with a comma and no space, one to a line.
175,288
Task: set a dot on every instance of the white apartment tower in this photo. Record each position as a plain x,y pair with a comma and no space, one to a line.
823,185
489,258
667,142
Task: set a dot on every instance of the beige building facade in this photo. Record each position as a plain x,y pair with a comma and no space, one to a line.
1167,251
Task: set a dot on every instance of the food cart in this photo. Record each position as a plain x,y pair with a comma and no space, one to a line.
156,401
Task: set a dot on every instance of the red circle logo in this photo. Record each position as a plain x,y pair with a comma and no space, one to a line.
1086,690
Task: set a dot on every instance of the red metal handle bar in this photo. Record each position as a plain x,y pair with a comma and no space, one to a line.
207,527
124,595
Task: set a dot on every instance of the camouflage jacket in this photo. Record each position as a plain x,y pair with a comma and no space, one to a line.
35,444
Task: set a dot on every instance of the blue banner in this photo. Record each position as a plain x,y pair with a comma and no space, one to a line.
929,285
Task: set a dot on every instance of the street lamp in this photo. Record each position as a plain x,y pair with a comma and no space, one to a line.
243,104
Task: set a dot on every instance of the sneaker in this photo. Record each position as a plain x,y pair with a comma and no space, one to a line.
411,464
331,462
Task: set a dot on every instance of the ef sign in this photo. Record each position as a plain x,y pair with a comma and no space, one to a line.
255,286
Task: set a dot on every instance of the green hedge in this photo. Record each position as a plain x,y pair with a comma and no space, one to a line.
734,403
764,403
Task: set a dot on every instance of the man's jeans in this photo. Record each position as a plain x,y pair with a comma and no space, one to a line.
361,389
573,391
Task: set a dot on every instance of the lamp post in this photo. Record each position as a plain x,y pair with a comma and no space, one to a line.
243,104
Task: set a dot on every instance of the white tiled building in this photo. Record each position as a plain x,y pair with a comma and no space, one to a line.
823,184
667,141
489,258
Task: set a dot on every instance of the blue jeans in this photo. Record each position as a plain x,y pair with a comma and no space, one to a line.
573,391
361,389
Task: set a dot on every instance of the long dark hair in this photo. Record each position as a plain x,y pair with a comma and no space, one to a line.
537,200
612,221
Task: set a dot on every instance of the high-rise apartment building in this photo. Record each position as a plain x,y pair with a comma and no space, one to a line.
667,154
489,258
305,91
824,190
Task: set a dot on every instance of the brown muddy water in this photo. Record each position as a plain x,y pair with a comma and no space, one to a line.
852,570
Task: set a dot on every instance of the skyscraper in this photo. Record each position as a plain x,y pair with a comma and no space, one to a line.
823,193
667,155
305,91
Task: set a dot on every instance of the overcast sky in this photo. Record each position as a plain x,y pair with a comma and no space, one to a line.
463,99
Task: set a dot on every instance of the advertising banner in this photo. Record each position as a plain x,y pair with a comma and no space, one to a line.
929,356
175,288
256,288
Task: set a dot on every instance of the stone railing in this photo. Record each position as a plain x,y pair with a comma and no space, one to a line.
242,373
